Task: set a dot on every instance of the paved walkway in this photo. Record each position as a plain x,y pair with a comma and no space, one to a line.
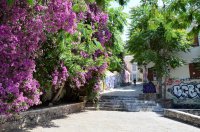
130,90
113,121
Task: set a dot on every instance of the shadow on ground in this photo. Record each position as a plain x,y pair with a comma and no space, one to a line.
42,122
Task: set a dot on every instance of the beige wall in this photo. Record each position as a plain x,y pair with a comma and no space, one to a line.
133,73
127,60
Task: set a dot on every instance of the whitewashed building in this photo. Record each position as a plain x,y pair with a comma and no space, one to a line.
183,84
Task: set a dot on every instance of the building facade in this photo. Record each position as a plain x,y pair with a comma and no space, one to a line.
183,84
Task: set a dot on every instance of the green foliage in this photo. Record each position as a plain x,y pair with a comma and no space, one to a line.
117,20
79,6
188,11
66,48
10,2
104,4
156,37
70,53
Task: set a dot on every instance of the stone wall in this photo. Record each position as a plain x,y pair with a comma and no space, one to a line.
191,111
182,115
38,117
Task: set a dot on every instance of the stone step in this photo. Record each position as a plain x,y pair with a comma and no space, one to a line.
112,109
140,104
118,97
145,108
127,104
91,108
134,107
127,101
111,106
137,109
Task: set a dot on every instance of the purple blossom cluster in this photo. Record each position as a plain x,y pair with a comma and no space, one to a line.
84,78
59,15
102,68
95,15
84,54
79,80
98,20
59,76
22,30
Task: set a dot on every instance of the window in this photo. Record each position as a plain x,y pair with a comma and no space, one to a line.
196,41
151,74
194,69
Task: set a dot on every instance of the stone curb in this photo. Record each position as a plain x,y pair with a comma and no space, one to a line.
180,115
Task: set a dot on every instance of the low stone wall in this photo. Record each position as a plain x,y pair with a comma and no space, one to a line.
184,115
40,117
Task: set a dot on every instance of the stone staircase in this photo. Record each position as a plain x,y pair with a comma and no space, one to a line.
127,103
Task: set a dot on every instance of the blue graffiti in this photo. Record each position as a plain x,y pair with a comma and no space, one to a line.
191,90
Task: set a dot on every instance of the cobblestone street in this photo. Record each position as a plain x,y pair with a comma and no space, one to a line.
114,121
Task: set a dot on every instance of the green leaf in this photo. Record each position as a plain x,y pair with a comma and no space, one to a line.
76,8
30,2
10,2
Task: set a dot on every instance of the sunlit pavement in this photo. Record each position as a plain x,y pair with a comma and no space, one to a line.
130,90
114,121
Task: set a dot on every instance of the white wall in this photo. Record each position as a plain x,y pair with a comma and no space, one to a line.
180,72
188,57
183,72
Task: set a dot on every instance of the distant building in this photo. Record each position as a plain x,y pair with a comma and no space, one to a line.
135,73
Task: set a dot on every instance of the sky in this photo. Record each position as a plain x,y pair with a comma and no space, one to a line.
127,8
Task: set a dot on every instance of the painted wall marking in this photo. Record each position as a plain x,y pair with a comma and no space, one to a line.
186,90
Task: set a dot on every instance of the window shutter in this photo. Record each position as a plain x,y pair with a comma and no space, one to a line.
194,71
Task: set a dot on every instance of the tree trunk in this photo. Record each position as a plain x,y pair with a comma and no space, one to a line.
160,86
57,96
165,88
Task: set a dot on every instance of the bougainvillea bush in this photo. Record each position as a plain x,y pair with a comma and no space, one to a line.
83,53
47,48
23,29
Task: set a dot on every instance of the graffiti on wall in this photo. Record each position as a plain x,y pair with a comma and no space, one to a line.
185,90
113,81
109,81
171,81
